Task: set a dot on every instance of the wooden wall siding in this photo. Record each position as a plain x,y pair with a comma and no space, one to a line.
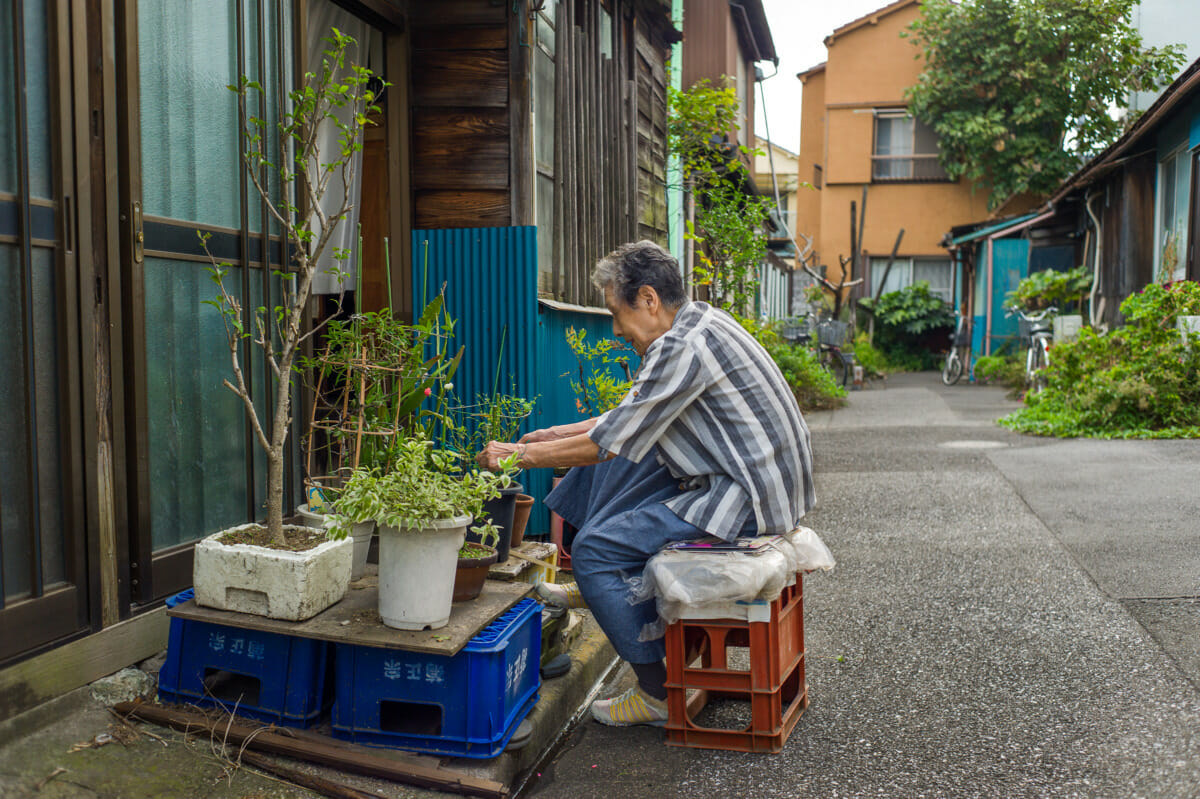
460,111
610,141
1128,231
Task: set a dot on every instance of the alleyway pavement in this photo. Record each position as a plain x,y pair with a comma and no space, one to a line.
1009,617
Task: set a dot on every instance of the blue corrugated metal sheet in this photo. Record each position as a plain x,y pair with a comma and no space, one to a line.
490,275
557,366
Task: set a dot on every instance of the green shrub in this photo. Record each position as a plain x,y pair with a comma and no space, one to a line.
873,361
1051,287
1000,370
813,385
1139,381
911,326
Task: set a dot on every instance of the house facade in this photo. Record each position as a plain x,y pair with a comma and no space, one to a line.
856,134
516,142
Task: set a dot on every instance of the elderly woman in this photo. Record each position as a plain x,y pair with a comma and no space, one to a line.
708,441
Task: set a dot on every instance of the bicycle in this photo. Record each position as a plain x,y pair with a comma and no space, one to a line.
1037,329
958,357
830,338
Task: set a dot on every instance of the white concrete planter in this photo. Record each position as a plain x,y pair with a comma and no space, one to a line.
270,582
1186,325
361,533
416,573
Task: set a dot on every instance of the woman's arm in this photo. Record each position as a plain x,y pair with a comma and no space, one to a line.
574,450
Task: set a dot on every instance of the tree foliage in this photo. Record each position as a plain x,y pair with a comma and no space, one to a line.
1020,92
729,228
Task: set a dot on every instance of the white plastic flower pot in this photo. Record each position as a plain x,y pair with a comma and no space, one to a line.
271,582
416,573
360,532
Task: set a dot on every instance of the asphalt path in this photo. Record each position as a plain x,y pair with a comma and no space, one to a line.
1009,617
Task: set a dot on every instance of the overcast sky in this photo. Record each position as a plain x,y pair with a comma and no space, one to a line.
798,27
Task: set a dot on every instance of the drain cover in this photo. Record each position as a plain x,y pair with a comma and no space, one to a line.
970,444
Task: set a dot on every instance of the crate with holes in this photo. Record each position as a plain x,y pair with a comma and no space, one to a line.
468,704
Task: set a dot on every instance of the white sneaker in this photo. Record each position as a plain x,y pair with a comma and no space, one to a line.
635,706
566,595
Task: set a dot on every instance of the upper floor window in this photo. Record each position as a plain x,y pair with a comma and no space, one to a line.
905,149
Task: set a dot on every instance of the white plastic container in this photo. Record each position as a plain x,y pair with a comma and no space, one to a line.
416,573
361,533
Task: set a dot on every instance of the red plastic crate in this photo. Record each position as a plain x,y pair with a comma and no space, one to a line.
774,685
774,715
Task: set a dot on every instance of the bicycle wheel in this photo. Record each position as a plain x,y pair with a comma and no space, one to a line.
835,364
1038,361
953,368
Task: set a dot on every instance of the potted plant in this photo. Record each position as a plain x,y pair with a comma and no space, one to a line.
423,507
271,569
370,379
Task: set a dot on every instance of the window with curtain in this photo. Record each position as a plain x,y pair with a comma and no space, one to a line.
204,473
1174,184
907,271
32,481
906,149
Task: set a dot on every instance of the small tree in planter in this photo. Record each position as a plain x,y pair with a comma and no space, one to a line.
304,175
242,570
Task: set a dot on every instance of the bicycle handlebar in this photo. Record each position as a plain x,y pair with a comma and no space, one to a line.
1031,317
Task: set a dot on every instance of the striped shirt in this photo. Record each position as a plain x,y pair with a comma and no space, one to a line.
725,422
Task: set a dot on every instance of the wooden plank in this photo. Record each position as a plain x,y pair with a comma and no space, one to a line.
70,666
459,148
559,168
446,78
520,120
634,177
313,782
570,228
456,12
355,620
460,209
490,37
343,758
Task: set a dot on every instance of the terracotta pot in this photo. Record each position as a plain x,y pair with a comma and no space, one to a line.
471,574
521,518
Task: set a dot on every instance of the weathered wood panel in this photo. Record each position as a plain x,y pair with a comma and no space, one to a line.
453,78
459,209
455,12
460,148
492,37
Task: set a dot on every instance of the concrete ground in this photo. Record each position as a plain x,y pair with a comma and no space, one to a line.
1010,617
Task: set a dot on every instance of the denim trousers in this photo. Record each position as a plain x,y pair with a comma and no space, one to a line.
617,507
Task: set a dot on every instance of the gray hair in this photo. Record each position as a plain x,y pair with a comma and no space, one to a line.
643,263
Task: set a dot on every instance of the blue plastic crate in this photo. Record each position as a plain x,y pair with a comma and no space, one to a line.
467,705
277,678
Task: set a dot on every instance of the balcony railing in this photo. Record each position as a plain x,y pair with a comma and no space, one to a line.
907,168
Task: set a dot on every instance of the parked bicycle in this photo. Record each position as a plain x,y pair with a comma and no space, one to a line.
958,358
1037,334
831,336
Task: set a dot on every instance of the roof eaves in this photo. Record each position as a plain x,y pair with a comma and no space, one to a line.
813,70
868,19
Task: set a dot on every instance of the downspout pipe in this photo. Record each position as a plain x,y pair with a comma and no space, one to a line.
1094,312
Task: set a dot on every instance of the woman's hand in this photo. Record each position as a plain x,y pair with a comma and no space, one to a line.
496,451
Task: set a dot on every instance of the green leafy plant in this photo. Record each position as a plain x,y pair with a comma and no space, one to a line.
729,230
424,485
872,360
596,389
300,173
1019,92
1050,287
369,383
1002,370
812,384
1141,380
911,325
